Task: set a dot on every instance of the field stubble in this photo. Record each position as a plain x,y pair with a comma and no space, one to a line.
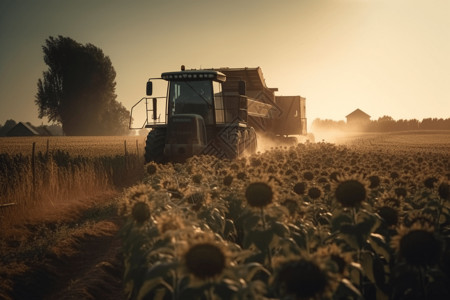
59,235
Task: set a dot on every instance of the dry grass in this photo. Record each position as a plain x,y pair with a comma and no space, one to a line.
73,169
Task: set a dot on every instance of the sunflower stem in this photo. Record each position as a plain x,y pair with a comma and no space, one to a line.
210,294
441,204
269,255
355,216
422,282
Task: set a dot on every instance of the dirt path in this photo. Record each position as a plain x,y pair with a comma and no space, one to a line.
86,263
93,272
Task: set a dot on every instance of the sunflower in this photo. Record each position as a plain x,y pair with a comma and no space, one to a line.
302,278
350,191
389,214
390,207
152,168
204,258
429,182
136,203
375,181
417,245
259,194
228,180
315,192
197,178
300,188
308,175
140,212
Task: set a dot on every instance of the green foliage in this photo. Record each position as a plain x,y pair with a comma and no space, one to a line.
78,89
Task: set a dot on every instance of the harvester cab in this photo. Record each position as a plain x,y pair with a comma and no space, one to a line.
209,112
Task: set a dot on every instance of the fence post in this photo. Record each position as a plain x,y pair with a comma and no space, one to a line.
33,170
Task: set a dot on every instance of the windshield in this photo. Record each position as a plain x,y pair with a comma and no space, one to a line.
192,97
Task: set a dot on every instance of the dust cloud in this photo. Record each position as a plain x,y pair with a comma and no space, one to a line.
266,143
338,135
328,135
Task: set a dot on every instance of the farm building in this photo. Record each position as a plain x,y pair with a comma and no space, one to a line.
26,129
358,117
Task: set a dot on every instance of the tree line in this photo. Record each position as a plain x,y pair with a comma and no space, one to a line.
384,124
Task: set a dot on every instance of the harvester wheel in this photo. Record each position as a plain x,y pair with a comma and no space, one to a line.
154,146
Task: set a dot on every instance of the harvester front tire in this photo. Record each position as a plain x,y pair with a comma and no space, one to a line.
154,145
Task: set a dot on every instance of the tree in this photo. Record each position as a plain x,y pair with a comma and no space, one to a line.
78,89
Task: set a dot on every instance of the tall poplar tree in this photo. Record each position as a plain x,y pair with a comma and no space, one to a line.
78,89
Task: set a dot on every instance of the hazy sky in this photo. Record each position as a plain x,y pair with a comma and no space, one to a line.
386,57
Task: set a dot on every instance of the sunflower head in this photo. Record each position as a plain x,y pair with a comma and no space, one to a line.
315,192
302,278
197,178
300,188
375,181
429,182
350,191
140,212
259,194
389,214
241,176
205,258
227,180
308,175
152,168
417,245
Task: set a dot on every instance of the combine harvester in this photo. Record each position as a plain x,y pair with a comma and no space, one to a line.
217,112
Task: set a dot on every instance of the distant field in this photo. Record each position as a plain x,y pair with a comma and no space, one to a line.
432,140
427,140
84,146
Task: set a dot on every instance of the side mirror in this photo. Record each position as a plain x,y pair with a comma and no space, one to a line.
242,88
149,88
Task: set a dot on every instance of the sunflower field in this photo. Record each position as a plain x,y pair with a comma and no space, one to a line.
312,221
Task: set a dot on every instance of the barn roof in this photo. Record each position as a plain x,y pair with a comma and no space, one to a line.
357,113
21,129
26,129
